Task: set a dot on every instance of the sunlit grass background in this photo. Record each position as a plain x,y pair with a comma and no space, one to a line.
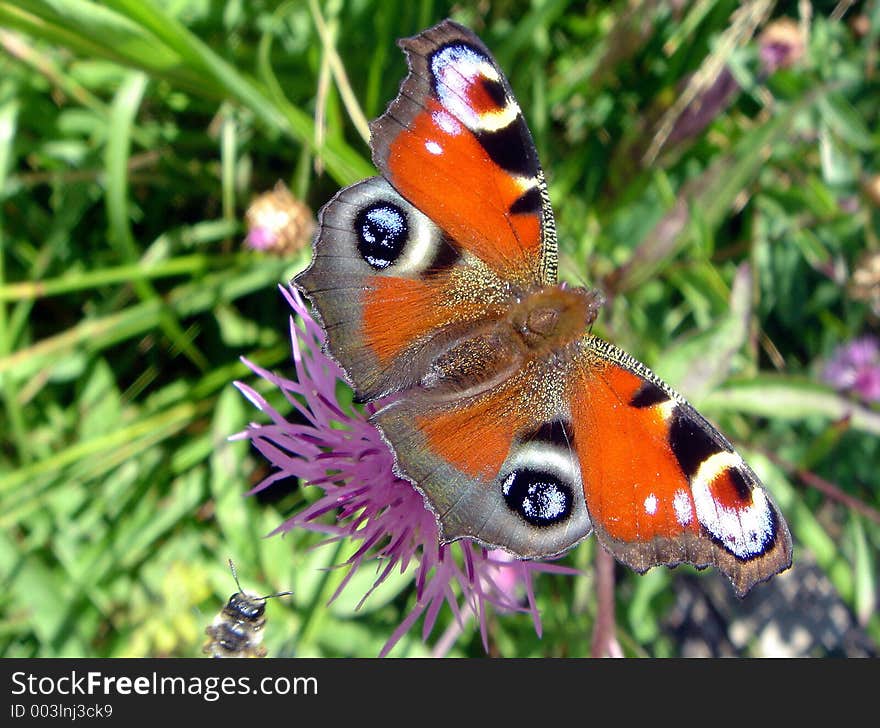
133,136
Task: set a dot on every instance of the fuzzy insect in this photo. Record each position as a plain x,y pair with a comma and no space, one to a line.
237,631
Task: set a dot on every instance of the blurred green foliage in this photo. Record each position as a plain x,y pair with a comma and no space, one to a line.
133,135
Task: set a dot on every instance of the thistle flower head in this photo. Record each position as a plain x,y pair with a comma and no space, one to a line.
338,450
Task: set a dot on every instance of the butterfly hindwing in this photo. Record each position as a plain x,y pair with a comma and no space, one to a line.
496,466
455,144
590,441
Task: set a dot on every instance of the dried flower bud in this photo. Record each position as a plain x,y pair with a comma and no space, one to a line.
279,223
860,25
781,45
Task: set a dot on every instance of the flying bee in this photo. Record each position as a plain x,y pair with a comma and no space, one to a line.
237,631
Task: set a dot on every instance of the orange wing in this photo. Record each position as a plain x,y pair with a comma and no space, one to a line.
407,265
496,466
455,144
662,485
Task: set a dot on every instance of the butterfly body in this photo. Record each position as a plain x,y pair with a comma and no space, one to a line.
436,284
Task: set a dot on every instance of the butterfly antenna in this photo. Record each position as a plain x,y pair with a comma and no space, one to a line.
579,276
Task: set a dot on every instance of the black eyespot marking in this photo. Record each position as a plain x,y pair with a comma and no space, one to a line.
740,484
648,395
508,148
540,498
382,233
495,91
691,443
528,203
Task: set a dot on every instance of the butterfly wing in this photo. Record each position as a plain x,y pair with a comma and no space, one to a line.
390,288
592,440
662,485
404,266
455,144
497,465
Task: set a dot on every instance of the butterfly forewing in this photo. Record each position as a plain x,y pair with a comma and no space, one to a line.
455,144
391,288
662,485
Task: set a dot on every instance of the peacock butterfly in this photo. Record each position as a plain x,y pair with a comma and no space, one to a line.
436,284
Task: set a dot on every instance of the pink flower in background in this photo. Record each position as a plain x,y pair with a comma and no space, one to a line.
343,454
260,238
855,367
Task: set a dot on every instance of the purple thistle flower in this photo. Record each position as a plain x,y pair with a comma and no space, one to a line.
343,454
855,367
